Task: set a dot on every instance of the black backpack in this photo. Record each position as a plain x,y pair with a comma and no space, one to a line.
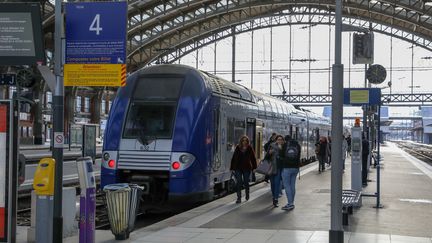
292,151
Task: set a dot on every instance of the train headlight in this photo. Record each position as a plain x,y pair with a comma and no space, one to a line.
187,158
175,165
106,156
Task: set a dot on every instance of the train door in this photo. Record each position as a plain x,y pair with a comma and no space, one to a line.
217,144
250,131
259,129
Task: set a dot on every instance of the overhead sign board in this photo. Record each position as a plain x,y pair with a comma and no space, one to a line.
21,34
96,32
95,75
362,96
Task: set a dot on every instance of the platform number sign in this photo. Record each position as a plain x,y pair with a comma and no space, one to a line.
96,32
95,25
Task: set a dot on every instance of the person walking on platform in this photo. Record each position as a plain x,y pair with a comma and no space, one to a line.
348,140
275,177
344,151
266,150
271,140
243,163
289,161
365,156
329,150
322,154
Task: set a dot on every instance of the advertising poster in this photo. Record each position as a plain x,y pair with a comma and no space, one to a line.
4,163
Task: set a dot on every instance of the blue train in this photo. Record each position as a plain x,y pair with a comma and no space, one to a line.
173,130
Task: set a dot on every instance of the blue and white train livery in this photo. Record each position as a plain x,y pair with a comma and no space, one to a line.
173,129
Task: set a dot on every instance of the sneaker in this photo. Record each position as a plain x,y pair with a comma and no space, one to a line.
288,207
275,203
285,207
238,200
247,197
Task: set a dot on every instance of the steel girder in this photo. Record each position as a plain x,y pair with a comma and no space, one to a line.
386,99
156,28
316,17
410,17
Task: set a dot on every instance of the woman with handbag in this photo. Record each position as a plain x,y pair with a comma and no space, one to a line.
275,174
243,163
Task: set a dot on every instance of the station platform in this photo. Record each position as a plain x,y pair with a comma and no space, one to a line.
406,216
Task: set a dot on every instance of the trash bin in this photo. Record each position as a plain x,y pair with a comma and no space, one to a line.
136,193
122,203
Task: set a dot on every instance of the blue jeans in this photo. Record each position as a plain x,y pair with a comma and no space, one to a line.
275,184
242,178
289,176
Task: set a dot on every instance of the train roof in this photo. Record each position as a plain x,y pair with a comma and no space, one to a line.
227,88
223,87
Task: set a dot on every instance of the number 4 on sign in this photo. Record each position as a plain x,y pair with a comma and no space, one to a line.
95,25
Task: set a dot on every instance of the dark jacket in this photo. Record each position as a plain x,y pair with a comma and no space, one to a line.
284,161
243,160
323,149
365,147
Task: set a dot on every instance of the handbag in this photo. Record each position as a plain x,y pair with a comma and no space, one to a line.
265,167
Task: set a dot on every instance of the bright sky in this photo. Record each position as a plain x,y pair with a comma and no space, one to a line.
319,77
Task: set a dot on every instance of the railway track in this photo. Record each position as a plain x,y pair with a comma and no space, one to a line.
418,150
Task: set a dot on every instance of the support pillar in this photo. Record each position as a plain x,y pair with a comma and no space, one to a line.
38,93
233,53
95,107
69,100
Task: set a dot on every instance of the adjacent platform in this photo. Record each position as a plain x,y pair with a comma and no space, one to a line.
405,217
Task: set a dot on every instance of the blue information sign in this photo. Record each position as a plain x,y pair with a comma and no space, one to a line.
362,96
96,32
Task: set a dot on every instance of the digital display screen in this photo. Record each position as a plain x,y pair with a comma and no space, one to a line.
16,34
21,34
359,96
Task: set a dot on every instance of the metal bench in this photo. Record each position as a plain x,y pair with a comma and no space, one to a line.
350,198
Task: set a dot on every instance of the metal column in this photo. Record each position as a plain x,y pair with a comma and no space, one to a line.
58,125
252,59
290,57
336,234
215,58
233,53
378,194
271,59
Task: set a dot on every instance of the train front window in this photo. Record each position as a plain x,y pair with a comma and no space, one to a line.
149,120
153,107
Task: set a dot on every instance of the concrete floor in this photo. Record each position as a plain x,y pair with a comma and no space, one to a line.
406,215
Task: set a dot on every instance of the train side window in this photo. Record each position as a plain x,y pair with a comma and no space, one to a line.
239,130
261,109
230,134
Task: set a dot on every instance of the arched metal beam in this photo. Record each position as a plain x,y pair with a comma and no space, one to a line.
185,49
393,15
152,15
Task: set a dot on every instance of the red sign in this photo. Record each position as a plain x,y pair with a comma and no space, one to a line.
3,118
3,168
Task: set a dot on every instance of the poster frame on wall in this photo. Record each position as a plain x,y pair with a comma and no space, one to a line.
6,121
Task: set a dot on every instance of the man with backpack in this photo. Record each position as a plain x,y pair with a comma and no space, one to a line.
289,161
